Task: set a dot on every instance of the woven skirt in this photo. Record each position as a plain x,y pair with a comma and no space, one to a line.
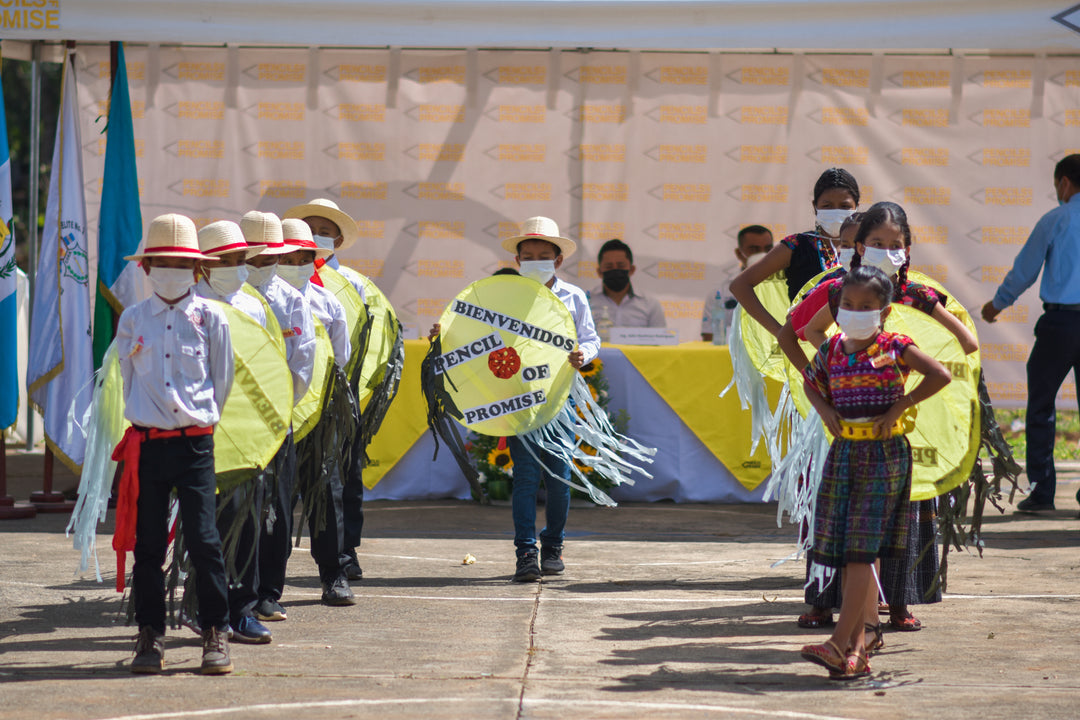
863,502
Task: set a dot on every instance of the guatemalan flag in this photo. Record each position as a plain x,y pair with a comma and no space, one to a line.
9,357
61,356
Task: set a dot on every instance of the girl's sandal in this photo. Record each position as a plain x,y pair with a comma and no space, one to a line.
874,644
816,619
905,622
856,666
827,655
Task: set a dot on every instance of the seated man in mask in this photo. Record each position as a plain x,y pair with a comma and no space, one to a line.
615,303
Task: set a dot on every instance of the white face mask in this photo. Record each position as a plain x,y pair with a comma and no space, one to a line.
171,283
324,241
259,276
830,220
844,255
296,275
887,261
226,280
539,270
859,324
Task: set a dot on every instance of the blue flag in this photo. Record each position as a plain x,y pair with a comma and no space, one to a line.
120,223
9,366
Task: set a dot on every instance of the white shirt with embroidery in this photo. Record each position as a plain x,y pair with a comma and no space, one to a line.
176,362
578,304
331,314
293,313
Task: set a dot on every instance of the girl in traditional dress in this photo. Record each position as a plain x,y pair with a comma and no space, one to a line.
856,384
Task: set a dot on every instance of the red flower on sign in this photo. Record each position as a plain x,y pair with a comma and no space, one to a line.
504,363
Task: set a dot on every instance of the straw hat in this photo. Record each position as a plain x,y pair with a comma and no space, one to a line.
541,228
297,236
225,236
321,207
171,235
263,228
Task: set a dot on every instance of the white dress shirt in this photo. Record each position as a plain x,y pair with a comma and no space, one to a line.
331,314
578,304
293,313
176,362
634,310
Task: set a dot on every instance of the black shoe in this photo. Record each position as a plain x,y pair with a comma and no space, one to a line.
149,652
215,653
250,631
1031,505
338,593
528,568
353,571
269,611
551,560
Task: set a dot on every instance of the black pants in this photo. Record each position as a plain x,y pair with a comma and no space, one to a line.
323,479
242,508
275,530
187,464
1055,354
353,498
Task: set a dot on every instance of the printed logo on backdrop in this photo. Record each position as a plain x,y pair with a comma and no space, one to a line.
277,72
921,79
436,113
584,269
677,270
759,193
427,306
437,152
841,77
202,187
1002,117
371,230
840,155
601,192
937,272
42,15
277,111
532,114
920,157
197,110
522,191
683,309
435,190
761,75
759,114
291,189
1005,352
503,229
434,268
679,114
677,231
921,195
679,75
360,190
357,112
921,117
97,146
1002,78
682,192
517,75
426,75
276,150
357,72
375,151
597,75
1000,234
1061,154
697,154
196,149
1004,196
843,116
198,71
436,229
136,70
369,267
598,113
517,152
598,152
588,231
101,108
1002,157
1016,391
1068,118
759,154
1068,78
95,186
930,234
989,273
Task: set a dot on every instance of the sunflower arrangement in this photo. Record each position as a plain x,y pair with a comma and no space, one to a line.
492,456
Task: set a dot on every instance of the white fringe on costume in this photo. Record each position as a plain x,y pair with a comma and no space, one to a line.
588,424
103,426
748,382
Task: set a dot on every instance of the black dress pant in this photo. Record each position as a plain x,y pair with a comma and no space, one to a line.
276,527
1054,355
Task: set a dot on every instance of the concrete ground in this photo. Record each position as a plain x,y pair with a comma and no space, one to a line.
670,611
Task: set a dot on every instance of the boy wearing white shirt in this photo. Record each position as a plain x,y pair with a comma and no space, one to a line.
176,361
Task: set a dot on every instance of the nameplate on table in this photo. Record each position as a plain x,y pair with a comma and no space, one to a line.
644,336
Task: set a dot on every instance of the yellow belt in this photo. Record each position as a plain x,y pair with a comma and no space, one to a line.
865,430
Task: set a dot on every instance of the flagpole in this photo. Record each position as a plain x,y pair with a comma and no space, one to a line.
32,213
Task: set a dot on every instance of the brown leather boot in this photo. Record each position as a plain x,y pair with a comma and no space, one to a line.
149,652
215,653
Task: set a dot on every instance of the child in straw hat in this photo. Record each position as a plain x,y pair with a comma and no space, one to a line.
176,360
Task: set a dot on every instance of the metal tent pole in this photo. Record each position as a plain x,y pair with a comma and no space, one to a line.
32,211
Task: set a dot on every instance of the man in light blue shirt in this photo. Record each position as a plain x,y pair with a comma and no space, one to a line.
1055,244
